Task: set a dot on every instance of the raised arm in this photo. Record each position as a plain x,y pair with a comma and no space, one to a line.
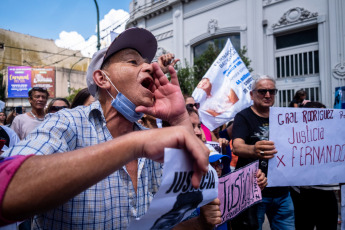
166,60
44,182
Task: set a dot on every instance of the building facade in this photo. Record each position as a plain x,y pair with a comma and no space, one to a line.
299,42
18,49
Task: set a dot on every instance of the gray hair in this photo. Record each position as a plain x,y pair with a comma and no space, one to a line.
259,77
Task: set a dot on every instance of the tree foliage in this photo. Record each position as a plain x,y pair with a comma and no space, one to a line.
186,78
190,76
73,94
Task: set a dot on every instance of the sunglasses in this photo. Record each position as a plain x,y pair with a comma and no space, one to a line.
264,91
57,108
197,105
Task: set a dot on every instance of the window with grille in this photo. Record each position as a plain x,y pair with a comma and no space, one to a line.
286,95
297,54
218,43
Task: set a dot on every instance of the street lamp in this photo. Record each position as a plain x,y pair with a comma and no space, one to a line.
98,37
69,76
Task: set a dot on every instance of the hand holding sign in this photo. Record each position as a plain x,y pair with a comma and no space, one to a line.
261,179
210,214
264,149
176,137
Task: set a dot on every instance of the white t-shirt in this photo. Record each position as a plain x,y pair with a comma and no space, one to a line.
23,124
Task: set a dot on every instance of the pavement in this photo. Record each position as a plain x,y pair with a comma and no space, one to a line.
266,225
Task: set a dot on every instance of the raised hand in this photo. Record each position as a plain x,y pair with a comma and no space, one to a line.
167,60
169,103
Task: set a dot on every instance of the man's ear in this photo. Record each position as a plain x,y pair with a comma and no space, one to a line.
30,100
100,80
251,94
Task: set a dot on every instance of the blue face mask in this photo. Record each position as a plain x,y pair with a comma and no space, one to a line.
123,105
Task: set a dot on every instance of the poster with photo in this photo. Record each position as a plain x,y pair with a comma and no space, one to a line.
176,198
224,90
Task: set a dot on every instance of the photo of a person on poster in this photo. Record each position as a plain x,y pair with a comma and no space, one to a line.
184,203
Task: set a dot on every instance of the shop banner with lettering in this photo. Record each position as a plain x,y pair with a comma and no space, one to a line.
19,81
176,198
238,191
224,90
310,144
45,78
22,78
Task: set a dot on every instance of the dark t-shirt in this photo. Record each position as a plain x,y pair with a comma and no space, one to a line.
252,128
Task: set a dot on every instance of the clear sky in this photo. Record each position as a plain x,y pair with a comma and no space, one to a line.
47,18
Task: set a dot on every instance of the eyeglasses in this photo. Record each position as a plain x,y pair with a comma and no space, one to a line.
197,105
57,108
264,91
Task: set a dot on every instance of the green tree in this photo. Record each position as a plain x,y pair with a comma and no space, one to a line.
204,61
73,94
2,87
186,78
245,59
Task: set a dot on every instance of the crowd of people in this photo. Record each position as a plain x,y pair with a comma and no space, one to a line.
97,163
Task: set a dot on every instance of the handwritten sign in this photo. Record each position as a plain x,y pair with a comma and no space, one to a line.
224,90
238,191
177,198
310,144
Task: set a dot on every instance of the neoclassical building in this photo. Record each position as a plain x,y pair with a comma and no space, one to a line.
299,42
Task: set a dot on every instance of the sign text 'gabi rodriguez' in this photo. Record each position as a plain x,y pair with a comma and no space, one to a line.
310,144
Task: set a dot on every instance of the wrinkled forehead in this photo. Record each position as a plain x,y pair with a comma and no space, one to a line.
36,93
265,83
126,54
190,100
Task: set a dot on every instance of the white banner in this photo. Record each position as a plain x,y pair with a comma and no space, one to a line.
176,198
310,144
224,90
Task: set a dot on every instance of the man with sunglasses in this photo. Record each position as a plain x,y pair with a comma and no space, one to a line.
251,143
23,124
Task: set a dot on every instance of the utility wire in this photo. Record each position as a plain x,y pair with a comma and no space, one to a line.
40,51
86,46
69,48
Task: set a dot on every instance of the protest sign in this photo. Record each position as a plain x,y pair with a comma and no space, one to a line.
224,90
176,197
238,190
310,144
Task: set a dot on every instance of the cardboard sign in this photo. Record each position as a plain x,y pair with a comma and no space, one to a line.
238,190
310,144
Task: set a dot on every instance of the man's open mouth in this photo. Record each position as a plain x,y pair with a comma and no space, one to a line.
148,83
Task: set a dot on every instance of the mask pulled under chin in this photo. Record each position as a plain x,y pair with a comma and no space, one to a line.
124,106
